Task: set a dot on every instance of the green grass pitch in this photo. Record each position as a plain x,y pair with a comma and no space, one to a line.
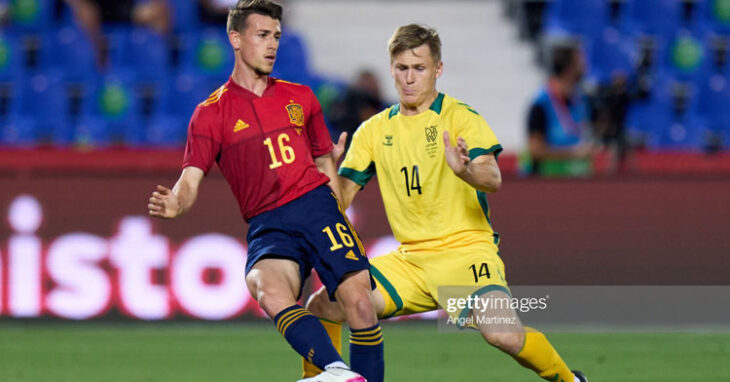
415,351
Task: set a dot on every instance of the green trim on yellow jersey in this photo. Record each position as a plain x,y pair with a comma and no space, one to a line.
436,106
478,151
397,300
359,177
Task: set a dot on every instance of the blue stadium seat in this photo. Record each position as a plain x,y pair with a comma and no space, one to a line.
18,131
208,53
11,57
292,61
583,17
185,16
70,50
654,17
113,105
714,102
167,130
93,131
45,98
183,93
611,54
676,124
150,54
717,14
685,57
31,16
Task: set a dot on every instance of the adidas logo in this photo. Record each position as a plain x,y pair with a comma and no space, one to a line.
240,125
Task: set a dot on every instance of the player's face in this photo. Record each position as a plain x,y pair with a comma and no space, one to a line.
256,45
415,74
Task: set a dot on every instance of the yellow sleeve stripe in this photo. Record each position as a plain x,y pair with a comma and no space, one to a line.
215,97
287,82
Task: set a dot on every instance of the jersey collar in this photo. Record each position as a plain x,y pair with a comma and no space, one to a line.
436,106
240,90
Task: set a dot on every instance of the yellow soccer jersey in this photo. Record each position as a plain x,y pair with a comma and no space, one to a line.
423,198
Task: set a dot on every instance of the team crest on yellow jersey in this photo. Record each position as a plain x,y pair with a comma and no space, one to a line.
296,114
431,133
388,140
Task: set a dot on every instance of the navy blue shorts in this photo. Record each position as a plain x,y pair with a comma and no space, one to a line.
313,231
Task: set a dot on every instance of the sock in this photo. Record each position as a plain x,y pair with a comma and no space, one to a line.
306,335
334,331
366,353
539,356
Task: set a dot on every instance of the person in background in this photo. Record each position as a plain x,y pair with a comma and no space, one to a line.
92,15
558,121
361,100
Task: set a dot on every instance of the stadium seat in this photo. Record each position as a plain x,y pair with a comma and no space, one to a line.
676,124
717,14
654,17
166,131
685,57
610,54
292,61
586,18
714,102
11,60
149,54
185,16
18,131
208,53
45,98
31,16
113,105
70,50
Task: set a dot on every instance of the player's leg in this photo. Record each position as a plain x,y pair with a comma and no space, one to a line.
275,284
331,315
501,327
354,297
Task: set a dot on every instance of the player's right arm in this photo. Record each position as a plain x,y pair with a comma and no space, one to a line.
359,164
169,204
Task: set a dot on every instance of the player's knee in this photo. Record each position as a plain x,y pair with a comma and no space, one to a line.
321,306
359,309
508,341
272,301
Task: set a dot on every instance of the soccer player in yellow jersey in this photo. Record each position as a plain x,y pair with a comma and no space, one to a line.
436,159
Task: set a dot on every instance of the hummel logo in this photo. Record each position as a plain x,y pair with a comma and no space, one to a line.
240,125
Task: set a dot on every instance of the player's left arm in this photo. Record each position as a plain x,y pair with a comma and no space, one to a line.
482,172
326,165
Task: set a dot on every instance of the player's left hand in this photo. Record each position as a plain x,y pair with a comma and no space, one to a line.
339,148
456,156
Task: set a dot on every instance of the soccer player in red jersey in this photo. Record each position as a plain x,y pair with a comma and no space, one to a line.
269,139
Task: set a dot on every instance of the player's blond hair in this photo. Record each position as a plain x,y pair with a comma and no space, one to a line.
238,15
412,36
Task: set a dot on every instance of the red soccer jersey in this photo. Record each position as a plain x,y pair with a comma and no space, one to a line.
265,146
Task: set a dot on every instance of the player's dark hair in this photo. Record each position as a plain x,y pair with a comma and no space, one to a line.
238,15
412,36
563,56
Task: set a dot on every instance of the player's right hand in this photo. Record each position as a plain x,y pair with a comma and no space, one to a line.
163,203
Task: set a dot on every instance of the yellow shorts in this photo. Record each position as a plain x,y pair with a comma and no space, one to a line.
409,278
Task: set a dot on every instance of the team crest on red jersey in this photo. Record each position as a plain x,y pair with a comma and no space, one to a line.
296,114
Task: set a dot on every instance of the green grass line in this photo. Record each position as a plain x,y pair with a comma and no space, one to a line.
255,352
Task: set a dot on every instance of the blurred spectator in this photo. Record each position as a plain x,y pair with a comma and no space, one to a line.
215,11
559,137
92,15
361,100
